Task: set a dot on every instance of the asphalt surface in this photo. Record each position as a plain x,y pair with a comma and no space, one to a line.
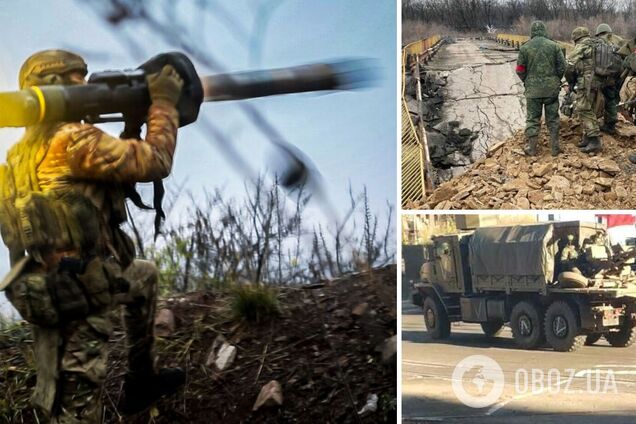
593,385
483,91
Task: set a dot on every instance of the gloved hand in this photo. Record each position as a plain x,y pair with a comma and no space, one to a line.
165,85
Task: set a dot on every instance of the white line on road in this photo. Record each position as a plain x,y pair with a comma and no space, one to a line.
614,366
496,407
426,364
583,373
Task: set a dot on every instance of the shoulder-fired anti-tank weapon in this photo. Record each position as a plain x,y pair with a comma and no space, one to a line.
122,96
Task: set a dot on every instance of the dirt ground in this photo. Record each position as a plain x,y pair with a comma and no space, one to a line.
326,358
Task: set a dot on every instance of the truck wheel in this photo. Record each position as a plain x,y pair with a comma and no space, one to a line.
624,337
492,328
435,318
562,328
526,323
592,338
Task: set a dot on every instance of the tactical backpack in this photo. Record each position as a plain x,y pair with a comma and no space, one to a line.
30,219
607,63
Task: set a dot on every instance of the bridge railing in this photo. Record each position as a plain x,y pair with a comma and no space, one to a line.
421,47
414,153
515,41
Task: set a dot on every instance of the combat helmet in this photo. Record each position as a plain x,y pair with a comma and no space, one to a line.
580,32
50,67
603,28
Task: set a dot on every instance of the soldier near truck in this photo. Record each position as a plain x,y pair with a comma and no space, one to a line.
513,274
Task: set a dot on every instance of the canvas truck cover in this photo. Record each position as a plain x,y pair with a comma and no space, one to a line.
512,252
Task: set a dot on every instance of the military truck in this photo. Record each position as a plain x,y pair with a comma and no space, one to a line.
514,274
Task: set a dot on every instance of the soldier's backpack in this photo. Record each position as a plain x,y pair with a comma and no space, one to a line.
607,62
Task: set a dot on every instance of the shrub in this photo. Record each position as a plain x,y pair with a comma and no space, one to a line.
254,302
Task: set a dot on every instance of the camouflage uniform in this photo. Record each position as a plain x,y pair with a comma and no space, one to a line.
580,71
611,92
628,90
569,254
62,200
540,66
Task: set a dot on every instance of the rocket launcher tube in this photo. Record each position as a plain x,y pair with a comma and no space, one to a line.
344,75
116,96
31,106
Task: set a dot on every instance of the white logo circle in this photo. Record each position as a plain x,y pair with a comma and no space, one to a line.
485,372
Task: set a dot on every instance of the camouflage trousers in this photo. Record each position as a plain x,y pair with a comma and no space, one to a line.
82,352
612,97
584,111
534,110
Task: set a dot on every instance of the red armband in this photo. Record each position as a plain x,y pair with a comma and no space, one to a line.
520,68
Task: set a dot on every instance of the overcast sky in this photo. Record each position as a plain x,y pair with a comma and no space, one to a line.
350,136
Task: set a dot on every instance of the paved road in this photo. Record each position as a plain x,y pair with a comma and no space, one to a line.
483,90
591,385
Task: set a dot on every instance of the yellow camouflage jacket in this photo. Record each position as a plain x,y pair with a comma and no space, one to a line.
83,152
74,162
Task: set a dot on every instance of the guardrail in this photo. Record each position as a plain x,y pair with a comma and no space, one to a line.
512,40
516,41
421,47
414,152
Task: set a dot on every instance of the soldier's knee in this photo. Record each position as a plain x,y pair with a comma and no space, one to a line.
143,277
30,296
143,269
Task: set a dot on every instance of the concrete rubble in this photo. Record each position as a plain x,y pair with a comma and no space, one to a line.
507,179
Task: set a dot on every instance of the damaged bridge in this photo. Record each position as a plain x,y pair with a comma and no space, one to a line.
463,110
467,99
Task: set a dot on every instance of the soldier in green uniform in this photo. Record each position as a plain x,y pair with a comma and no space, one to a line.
61,206
540,66
580,74
611,91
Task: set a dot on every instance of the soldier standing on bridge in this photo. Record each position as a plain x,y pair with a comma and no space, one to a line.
628,92
540,66
612,90
579,73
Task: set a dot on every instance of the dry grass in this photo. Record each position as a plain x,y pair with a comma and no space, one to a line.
254,302
17,372
414,30
561,29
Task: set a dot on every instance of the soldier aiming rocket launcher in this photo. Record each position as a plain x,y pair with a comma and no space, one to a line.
122,96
